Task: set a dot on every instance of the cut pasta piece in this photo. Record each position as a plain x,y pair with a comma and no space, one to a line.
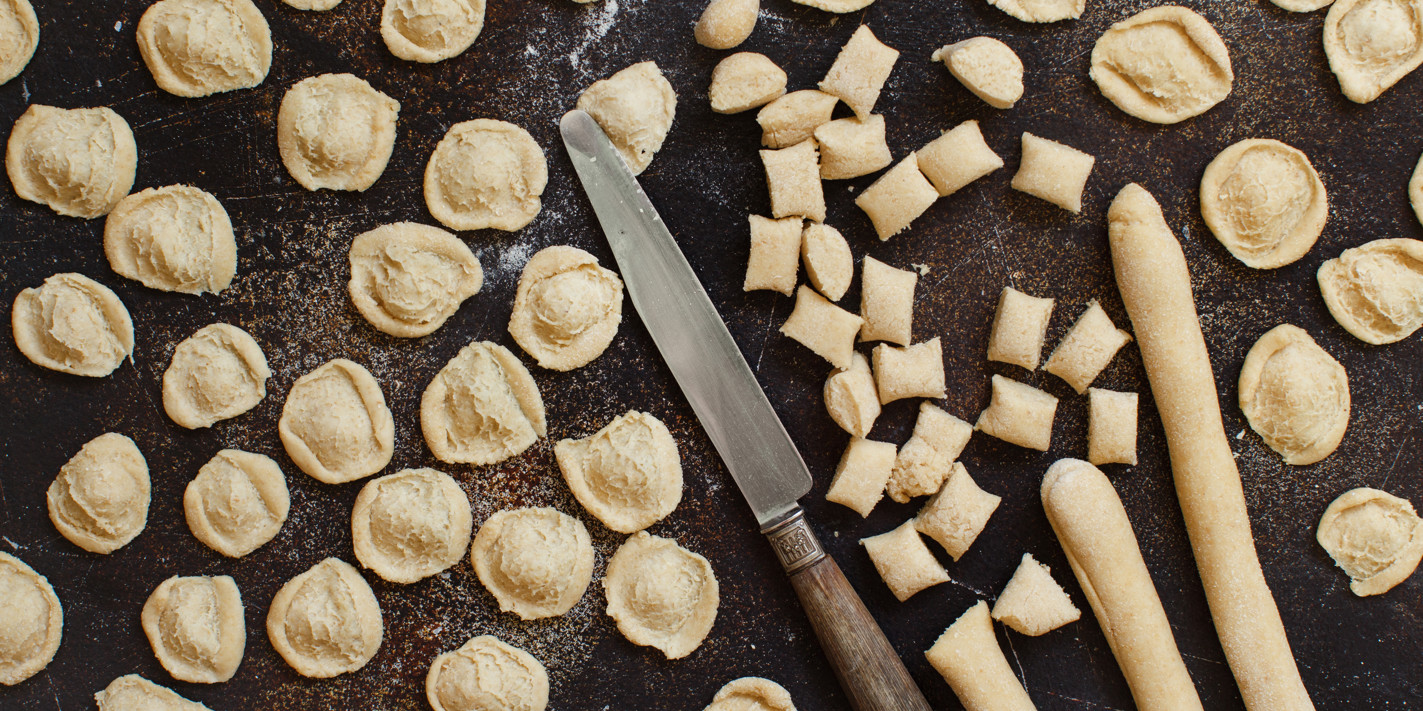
636,107
967,655
1041,10
1294,395
536,562
852,147
851,397
1019,328
33,622
744,81
904,562
957,158
132,691
195,627
823,327
861,475
958,513
886,302
836,6
1053,172
726,23
1372,44
567,308
100,499
897,198
326,621
794,117
775,254
411,524
486,674
1111,427
751,693
1032,603
793,177
335,424
1263,201
628,474
927,459
1087,349
912,371
828,262
986,67
483,407
1375,290
1163,65
859,71
1018,414
661,594
1374,536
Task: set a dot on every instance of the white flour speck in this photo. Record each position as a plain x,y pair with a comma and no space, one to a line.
923,269
531,50
25,90
13,545
119,26
1240,434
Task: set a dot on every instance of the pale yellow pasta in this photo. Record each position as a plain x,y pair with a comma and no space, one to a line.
1019,328
826,329
1041,10
751,693
430,30
794,117
886,302
486,674
635,107
851,397
793,177
897,198
1163,65
19,36
132,692
828,262
986,67
774,261
661,594
911,371
1372,44
99,500
1111,427
33,623
1375,290
957,158
1054,172
927,459
1294,395
195,48
957,513
744,81
726,23
1263,201
1087,348
861,475
904,563
195,627
1032,603
859,71
967,655
628,474
1018,414
852,147
1374,536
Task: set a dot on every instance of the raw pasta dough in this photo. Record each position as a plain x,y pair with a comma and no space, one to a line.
200,47
1376,537
851,147
957,514
823,327
957,158
237,502
1415,190
903,561
19,36
774,260
635,107
1087,348
851,397
196,628
1019,328
313,5
859,71
886,302
986,67
897,198
927,459
537,562
411,524
912,371
1375,291
430,30
744,81
482,407
751,693
1018,413
485,674
33,622
828,263
1111,427
1295,395
860,476
72,324
1302,5
100,499
1032,603
135,693
1263,200
335,424
486,174
216,374
793,178
628,474
1372,44
567,308
1162,65
794,117
407,279
174,238
726,23
1041,10
661,594
336,131
836,6
1054,172
967,655
325,622
78,162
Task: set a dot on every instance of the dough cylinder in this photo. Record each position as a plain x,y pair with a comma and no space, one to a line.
1088,518
1156,289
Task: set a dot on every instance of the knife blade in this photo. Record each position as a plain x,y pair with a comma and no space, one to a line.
737,417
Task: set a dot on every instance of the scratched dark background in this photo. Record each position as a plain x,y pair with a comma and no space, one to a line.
528,67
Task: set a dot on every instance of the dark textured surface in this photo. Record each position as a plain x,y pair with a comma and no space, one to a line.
527,67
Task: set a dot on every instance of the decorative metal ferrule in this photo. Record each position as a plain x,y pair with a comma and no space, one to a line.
795,545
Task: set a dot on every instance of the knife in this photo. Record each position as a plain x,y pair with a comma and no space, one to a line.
737,417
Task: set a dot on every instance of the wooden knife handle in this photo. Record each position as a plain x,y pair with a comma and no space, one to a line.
868,668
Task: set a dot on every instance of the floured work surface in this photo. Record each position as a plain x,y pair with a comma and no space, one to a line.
527,68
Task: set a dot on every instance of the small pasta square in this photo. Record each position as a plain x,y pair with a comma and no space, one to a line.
1111,427
897,198
793,177
860,476
794,117
927,459
1087,348
823,327
1053,172
1019,328
1018,414
851,147
851,397
957,158
912,371
904,562
859,71
955,515
775,254
744,81
967,655
1033,603
828,262
886,302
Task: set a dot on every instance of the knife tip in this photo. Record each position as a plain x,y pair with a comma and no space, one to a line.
580,131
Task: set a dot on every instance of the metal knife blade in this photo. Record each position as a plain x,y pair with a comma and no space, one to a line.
687,329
